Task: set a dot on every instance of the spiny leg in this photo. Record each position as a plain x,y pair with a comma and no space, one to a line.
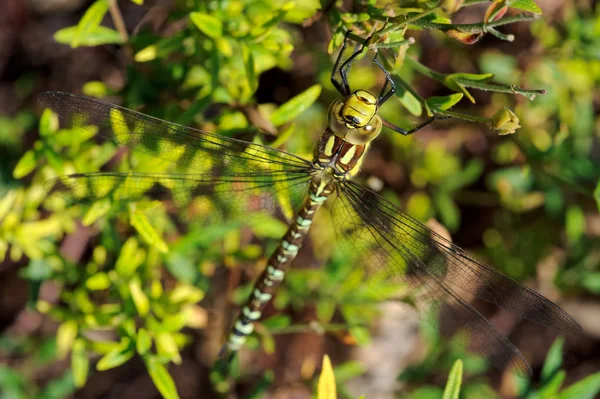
336,83
383,97
420,126
345,67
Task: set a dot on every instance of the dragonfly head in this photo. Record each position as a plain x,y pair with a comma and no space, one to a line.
355,118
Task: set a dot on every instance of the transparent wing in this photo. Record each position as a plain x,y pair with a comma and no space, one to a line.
439,273
206,197
192,149
224,173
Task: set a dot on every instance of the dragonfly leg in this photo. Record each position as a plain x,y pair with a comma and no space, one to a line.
420,126
345,67
336,83
383,96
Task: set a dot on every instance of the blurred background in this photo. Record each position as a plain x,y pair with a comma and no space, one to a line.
93,306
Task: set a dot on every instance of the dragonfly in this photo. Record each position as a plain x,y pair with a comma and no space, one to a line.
232,177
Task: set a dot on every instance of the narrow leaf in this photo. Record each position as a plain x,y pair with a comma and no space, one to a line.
209,25
48,122
410,102
452,389
65,336
99,36
588,388
326,388
597,195
90,21
98,281
96,211
130,258
140,222
478,77
526,5
553,359
295,106
166,345
444,102
117,356
80,363
26,165
143,341
142,304
161,378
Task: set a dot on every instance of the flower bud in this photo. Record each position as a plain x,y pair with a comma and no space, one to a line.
505,122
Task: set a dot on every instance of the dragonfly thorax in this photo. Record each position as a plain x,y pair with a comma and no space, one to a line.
355,118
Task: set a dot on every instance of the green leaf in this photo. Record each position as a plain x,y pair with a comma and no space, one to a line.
325,310
160,49
224,46
326,388
98,281
161,378
65,336
360,334
140,222
143,342
96,211
588,388
553,359
597,195
117,356
477,77
410,102
26,165
452,389
90,21
138,2
526,5
591,281
142,304
295,106
130,258
6,204
456,82
250,68
449,211
95,88
166,345
552,385
426,392
575,223
174,322
444,102
209,25
186,294
48,123
80,363
99,36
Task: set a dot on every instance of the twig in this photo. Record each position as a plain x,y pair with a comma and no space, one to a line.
115,13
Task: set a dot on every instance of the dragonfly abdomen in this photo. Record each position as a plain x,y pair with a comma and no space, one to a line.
319,190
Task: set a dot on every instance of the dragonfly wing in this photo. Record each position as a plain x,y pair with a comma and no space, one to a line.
440,273
195,150
230,174
208,197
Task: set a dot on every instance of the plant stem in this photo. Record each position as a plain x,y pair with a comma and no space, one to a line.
115,13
